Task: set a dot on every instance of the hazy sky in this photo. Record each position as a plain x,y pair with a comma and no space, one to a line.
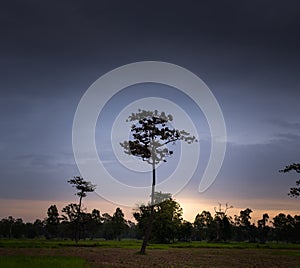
247,52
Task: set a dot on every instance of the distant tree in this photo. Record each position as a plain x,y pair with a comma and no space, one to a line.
7,226
294,191
244,229
202,224
107,228
185,231
30,230
34,230
222,222
70,211
296,237
70,220
245,217
94,224
263,229
19,228
263,222
131,232
83,187
39,226
52,222
119,224
150,135
284,226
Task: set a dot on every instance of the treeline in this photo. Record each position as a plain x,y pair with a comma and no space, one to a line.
168,225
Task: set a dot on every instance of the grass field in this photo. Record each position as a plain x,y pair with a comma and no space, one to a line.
101,253
135,244
42,261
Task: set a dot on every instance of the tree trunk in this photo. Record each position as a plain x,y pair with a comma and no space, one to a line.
149,227
78,221
218,231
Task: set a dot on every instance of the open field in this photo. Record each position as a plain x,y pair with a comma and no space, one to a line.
125,254
42,261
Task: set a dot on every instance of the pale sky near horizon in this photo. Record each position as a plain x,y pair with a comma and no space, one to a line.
247,52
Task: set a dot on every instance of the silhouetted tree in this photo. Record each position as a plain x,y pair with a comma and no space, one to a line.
7,226
83,187
263,229
18,228
167,218
119,224
107,228
185,231
244,229
132,230
296,237
283,227
223,223
245,217
202,224
150,135
167,221
94,223
294,191
52,222
70,220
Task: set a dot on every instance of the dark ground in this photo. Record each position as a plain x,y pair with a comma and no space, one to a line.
201,257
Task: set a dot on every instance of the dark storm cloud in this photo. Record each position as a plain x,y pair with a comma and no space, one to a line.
51,51
56,47
61,28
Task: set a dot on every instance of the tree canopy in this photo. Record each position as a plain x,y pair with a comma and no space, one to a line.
294,191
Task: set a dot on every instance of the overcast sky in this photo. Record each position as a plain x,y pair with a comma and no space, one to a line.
247,52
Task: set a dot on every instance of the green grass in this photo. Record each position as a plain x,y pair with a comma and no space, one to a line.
38,262
135,244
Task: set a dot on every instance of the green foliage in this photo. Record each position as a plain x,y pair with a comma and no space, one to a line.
166,222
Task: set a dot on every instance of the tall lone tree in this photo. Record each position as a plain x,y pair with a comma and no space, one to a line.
294,191
83,187
150,135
